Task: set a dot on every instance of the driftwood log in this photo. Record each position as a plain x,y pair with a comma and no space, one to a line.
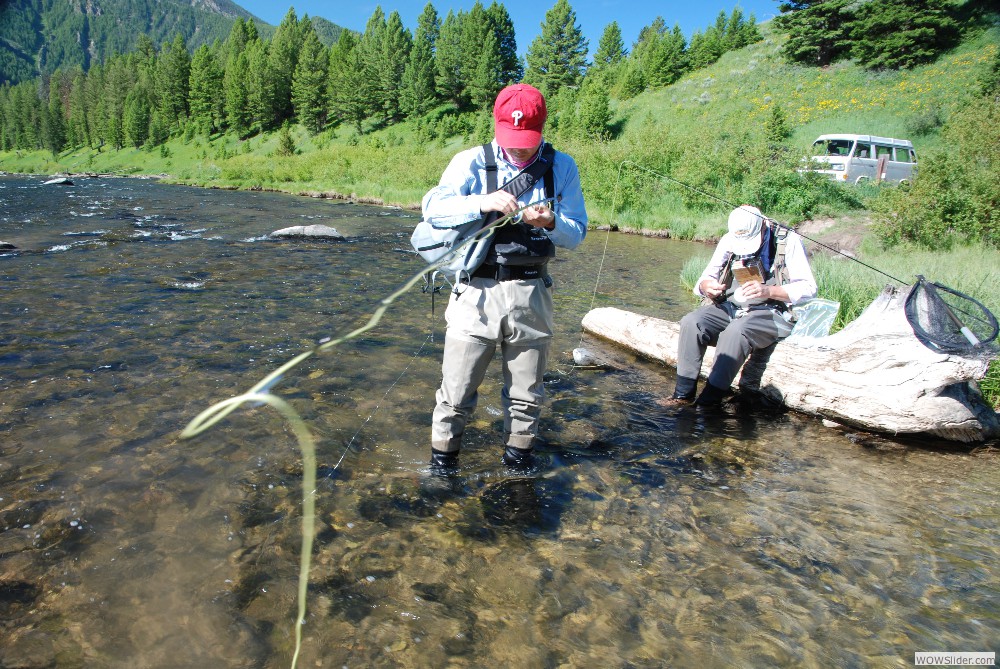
874,374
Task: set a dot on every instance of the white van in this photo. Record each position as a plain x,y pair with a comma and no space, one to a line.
856,158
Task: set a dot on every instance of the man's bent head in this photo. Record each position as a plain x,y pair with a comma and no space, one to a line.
518,118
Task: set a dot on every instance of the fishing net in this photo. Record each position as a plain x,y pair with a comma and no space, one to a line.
948,321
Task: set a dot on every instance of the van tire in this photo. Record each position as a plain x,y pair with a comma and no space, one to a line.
860,179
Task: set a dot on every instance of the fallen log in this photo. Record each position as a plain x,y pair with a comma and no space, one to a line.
874,374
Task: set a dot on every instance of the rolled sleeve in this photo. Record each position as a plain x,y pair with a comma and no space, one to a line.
715,266
569,208
458,197
801,285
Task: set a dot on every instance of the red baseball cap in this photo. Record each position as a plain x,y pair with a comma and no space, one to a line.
519,116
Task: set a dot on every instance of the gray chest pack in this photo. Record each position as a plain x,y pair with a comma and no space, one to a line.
435,243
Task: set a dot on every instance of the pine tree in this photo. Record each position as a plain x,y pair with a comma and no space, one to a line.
740,32
370,56
286,144
145,60
207,106
632,80
145,50
428,25
557,57
96,109
611,48
474,30
173,71
309,96
393,55
510,69
418,93
283,55
776,128
902,33
750,33
260,87
348,99
158,131
485,82
818,30
450,59
708,47
668,60
118,81
77,129
54,119
137,115
234,85
640,62
595,111
239,36
4,128
562,120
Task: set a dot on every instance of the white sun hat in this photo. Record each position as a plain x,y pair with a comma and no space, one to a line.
746,226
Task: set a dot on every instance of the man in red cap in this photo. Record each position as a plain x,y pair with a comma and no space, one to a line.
503,291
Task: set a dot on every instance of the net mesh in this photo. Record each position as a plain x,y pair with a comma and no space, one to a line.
947,320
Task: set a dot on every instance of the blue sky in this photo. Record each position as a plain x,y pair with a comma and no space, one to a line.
591,15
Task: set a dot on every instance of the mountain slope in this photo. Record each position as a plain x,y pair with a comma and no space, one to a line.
39,36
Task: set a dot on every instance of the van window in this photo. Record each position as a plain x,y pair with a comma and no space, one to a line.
881,150
902,155
835,147
863,151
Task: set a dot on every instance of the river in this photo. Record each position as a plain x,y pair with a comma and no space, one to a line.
646,538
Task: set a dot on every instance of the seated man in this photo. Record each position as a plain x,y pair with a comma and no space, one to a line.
741,317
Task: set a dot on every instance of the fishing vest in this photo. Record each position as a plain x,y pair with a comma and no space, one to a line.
519,243
777,273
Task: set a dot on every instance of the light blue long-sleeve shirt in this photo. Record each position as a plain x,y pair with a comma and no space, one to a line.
458,196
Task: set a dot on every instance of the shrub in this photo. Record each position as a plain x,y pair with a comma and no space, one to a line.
286,145
925,123
956,196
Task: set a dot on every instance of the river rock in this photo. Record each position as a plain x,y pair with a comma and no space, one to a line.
58,181
314,231
6,246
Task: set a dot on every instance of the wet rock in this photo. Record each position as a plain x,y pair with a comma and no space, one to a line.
16,595
8,472
58,181
6,246
313,231
34,649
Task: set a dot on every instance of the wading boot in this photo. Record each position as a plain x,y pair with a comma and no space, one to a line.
444,462
520,459
711,397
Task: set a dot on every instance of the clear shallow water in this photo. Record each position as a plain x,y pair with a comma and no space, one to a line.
648,538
